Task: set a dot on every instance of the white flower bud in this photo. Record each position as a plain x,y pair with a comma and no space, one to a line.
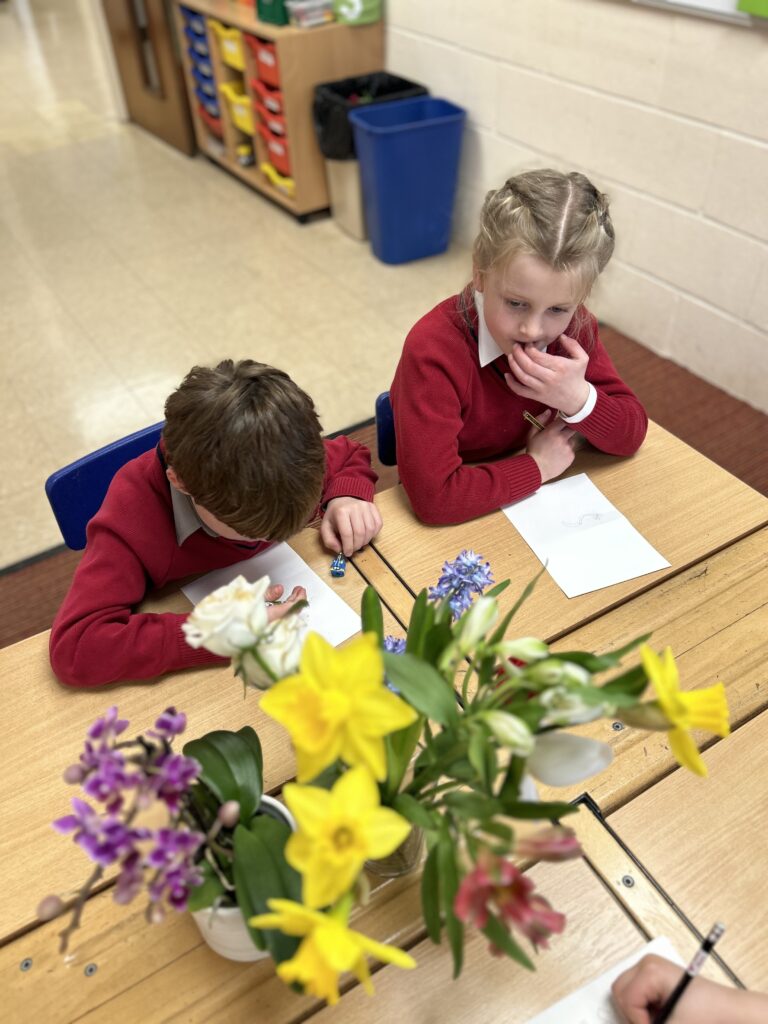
510,731
74,774
49,908
476,622
229,813
565,706
526,648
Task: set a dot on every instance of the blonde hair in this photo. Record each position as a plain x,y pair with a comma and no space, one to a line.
560,218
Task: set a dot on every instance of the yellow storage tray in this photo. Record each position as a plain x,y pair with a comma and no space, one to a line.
239,105
230,44
286,185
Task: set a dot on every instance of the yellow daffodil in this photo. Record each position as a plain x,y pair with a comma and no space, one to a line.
338,830
328,949
695,709
337,706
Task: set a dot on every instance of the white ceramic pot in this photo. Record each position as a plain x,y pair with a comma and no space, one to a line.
223,928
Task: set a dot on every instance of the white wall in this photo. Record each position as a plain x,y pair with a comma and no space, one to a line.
666,112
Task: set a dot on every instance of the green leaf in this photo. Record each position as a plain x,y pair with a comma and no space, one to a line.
209,890
413,811
510,787
400,746
534,809
262,873
422,620
471,805
631,683
449,884
435,642
476,750
422,686
371,614
498,589
232,767
495,828
430,895
500,937
527,591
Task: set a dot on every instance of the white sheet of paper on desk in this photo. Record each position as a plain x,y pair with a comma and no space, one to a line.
329,614
592,1004
585,541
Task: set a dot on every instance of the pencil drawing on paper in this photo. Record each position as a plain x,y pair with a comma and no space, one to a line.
594,517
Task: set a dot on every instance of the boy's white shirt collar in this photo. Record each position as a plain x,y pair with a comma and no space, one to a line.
487,348
185,518
488,351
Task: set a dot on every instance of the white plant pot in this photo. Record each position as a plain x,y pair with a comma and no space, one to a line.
223,928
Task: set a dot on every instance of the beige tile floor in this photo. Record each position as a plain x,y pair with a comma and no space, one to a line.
122,263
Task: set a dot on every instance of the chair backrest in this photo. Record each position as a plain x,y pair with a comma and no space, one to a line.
77,491
385,431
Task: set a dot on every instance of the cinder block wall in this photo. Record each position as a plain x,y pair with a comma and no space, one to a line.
666,112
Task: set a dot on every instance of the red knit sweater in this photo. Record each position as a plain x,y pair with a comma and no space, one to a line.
449,412
132,548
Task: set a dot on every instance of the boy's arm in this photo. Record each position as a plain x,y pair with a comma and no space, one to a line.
96,637
618,423
348,471
442,489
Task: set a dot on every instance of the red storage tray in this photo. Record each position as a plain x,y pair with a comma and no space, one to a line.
272,99
278,149
214,123
274,122
265,55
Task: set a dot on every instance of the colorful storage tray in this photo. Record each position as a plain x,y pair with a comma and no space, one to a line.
274,122
278,149
265,55
272,99
230,44
239,106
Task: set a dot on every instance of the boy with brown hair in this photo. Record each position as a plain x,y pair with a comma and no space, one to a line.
241,465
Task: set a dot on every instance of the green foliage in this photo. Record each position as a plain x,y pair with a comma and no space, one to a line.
371,614
209,890
231,767
422,686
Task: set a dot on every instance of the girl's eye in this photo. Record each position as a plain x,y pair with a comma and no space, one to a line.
514,303
558,310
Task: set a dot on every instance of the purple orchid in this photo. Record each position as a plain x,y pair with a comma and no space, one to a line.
104,838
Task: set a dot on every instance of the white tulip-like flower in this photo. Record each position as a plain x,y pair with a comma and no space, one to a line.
566,706
525,648
561,758
476,623
230,619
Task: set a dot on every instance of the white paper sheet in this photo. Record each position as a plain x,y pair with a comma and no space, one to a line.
329,614
592,1004
585,541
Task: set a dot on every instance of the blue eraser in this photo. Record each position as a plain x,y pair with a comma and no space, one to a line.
338,565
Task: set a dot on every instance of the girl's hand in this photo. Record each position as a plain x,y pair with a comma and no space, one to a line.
279,611
556,381
551,448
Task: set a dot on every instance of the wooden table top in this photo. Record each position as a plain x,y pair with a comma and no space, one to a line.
683,504
721,824
33,859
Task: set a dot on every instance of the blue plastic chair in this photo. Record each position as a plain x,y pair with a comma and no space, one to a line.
386,441
77,491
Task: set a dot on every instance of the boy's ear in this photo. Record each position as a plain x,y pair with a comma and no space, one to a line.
175,481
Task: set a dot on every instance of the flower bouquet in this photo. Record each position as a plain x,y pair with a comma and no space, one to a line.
431,737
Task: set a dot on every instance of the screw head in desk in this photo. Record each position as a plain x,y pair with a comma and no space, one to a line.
90,970
26,964
628,881
617,726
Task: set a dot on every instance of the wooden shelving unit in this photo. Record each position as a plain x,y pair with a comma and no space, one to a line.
305,58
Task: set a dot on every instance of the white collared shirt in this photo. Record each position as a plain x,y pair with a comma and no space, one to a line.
488,351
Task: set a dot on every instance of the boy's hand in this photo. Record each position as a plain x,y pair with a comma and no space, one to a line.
556,381
279,611
551,448
349,524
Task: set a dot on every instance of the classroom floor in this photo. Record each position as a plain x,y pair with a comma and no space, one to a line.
124,263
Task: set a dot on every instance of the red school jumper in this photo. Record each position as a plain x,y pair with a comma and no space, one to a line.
449,412
132,548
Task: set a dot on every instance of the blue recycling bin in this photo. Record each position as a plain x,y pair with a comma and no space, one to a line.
409,161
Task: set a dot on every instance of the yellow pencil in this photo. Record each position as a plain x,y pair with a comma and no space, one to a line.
532,420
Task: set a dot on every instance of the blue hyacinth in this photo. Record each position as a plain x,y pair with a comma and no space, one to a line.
394,644
468,574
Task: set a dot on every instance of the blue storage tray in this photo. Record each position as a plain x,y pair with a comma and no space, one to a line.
210,104
204,83
198,43
194,20
202,63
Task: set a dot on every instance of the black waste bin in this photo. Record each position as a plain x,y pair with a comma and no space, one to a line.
332,103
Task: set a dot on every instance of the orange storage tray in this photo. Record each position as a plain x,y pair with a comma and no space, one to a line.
278,149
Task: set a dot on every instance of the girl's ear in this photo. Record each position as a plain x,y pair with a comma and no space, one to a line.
477,278
175,481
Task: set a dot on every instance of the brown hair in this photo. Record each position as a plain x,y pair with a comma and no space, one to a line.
246,442
561,218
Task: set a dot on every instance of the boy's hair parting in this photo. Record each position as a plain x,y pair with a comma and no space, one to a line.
561,218
247,445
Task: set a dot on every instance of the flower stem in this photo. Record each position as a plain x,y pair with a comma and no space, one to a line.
77,908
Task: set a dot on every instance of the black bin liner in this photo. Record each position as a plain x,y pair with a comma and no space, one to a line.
333,100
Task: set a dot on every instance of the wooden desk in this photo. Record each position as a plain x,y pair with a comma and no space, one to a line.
45,727
166,972
683,504
704,840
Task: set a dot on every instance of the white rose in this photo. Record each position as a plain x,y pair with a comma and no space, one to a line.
230,619
276,654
